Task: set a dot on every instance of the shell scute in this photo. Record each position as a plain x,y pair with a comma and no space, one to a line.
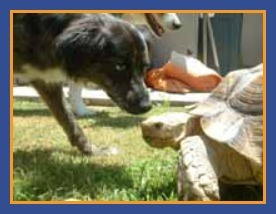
233,113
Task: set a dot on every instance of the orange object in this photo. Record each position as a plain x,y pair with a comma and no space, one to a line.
193,73
183,74
157,79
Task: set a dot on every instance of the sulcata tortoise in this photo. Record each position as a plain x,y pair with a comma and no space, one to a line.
219,141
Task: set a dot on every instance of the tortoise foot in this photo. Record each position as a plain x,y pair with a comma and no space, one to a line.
197,180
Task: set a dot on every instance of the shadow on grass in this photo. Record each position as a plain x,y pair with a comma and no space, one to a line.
118,122
40,175
42,112
49,176
101,119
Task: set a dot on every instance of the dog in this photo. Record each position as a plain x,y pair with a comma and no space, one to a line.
157,23
152,25
50,49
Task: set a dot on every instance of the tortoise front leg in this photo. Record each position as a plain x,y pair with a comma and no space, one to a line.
197,179
52,95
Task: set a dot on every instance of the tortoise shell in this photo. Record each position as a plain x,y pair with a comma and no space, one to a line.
233,113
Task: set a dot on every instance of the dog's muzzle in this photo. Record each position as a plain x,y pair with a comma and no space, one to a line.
137,100
142,107
133,104
177,25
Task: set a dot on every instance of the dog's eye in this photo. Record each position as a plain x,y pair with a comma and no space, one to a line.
120,67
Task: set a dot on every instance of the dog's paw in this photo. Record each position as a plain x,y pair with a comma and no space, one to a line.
104,151
81,112
98,151
86,149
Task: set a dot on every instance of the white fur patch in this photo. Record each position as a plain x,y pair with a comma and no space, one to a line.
53,75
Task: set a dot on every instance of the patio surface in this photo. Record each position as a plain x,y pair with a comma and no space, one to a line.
99,97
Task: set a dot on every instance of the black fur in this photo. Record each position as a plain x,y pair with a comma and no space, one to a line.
88,48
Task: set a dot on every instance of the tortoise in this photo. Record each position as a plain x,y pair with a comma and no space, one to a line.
220,140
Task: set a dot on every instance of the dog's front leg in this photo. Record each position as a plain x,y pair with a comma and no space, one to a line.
52,95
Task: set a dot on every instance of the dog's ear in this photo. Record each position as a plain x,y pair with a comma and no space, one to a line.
77,46
147,34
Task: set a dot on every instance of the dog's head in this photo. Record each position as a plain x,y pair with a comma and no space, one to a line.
111,53
158,23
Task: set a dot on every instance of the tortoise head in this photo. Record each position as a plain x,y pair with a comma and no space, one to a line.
165,130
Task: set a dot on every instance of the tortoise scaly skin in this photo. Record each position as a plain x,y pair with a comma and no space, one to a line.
219,141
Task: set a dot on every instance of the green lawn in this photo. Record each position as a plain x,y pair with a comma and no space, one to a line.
46,167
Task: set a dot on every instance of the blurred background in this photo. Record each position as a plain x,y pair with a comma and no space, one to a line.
238,39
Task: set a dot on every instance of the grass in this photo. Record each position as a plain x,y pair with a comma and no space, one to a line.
46,167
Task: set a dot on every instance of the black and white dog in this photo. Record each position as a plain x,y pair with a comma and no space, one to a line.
153,25
49,49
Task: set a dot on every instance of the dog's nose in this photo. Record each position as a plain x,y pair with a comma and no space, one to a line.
145,107
177,25
141,108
